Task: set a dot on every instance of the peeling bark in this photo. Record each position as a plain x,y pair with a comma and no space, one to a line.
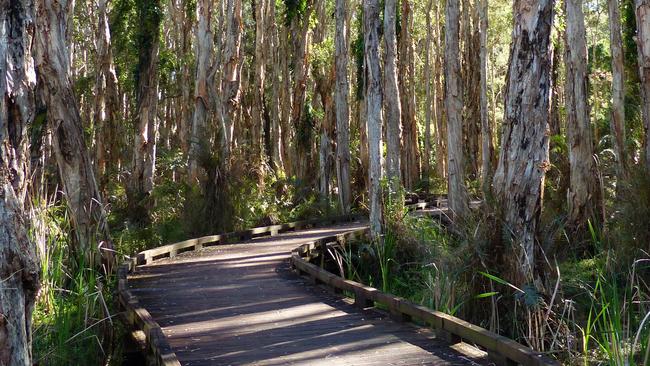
642,12
392,103
19,265
457,192
342,107
584,194
75,168
523,159
617,124
373,110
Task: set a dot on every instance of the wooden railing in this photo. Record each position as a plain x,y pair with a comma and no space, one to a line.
157,349
502,350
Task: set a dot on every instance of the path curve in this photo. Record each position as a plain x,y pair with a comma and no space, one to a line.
239,304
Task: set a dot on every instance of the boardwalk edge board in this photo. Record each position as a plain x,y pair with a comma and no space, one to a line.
158,350
502,350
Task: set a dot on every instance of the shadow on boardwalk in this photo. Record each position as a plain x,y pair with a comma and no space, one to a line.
241,305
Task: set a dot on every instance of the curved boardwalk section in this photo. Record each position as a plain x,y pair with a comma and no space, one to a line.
239,304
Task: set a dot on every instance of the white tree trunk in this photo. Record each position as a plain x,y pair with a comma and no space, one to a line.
342,107
523,159
643,46
373,110
392,104
260,78
583,196
487,149
457,192
273,46
231,78
202,96
75,168
144,147
19,267
617,124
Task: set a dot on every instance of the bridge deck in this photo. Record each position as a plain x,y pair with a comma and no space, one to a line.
240,305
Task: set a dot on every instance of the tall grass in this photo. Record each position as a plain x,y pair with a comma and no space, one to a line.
73,322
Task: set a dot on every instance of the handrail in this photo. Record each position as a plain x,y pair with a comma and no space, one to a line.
157,349
500,349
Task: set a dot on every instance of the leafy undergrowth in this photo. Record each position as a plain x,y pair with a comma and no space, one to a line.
74,319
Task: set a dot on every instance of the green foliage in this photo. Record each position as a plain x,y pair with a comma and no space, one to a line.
73,319
294,9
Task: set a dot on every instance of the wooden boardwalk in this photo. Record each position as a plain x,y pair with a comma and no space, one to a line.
240,304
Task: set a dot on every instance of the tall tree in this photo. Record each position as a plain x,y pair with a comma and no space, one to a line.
273,46
523,159
300,36
203,100
410,163
487,149
19,267
342,107
259,81
392,103
643,45
373,110
617,121
73,161
106,98
231,78
429,101
583,195
457,193
144,147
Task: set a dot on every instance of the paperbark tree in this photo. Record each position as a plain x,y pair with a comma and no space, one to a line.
373,110
523,159
487,149
583,195
19,265
617,122
259,81
106,98
642,12
410,163
342,107
203,100
457,192
273,44
231,78
144,147
392,103
73,161
429,100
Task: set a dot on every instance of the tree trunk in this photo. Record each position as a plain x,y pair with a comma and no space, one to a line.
457,193
231,78
392,103
410,163
441,136
258,83
19,265
202,98
643,45
487,149
342,107
373,110
106,98
300,38
75,168
428,108
583,196
144,148
523,159
617,122
275,112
